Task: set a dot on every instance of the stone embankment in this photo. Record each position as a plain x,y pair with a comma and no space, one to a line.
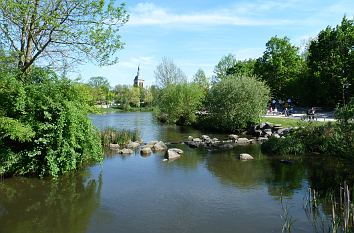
266,130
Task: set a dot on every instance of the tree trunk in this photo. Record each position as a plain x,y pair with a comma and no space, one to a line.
29,42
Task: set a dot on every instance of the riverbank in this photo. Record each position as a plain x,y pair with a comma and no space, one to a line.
132,109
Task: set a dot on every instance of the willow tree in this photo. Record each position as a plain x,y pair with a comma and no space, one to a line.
61,31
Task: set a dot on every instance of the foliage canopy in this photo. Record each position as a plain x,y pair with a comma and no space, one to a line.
61,31
236,102
280,67
331,64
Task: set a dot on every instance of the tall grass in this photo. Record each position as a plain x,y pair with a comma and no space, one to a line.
115,136
286,217
341,211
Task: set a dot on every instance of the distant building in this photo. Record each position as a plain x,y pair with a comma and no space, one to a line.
138,82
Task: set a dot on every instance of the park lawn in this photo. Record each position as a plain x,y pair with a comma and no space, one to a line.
289,122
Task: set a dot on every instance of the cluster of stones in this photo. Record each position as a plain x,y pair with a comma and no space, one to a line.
233,140
148,148
266,130
214,143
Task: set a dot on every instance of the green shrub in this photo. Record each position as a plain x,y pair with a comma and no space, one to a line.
44,128
328,139
345,114
283,146
178,103
235,102
122,137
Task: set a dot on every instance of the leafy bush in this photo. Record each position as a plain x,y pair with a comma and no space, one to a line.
121,137
283,146
329,139
345,113
235,102
44,128
178,103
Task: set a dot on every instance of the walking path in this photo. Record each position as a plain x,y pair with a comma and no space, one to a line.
301,116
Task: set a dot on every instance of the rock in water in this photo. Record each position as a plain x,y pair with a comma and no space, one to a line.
126,151
133,145
233,136
113,146
245,156
242,141
173,153
160,146
197,140
146,150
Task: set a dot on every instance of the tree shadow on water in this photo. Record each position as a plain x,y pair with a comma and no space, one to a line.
44,205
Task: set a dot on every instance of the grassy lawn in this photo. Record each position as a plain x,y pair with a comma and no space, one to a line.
289,122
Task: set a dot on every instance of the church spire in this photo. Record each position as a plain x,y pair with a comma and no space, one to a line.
138,82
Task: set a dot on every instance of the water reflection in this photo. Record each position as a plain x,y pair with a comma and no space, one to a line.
191,159
33,205
326,175
285,178
227,166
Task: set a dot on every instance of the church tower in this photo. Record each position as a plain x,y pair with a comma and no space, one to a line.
138,82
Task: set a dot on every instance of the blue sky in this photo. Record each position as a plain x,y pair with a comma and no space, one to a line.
197,33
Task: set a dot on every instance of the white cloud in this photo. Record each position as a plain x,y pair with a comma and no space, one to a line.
261,7
135,61
150,14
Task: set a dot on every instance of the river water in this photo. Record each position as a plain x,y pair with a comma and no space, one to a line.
203,191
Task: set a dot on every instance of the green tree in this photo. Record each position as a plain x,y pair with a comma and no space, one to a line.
331,65
101,89
57,30
245,67
221,70
44,129
87,94
280,67
180,102
155,92
148,96
201,79
122,96
168,73
134,97
235,102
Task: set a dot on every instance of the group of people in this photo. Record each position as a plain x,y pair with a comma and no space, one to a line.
286,108
275,105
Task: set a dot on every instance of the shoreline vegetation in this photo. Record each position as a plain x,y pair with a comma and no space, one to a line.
117,109
44,124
